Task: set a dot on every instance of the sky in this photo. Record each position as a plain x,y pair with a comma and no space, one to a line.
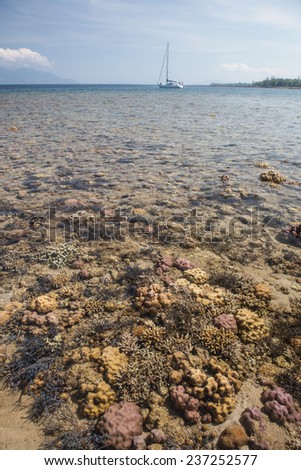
123,41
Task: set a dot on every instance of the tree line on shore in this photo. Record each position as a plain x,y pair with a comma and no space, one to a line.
279,82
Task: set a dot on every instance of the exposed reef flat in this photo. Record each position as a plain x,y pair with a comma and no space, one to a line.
151,273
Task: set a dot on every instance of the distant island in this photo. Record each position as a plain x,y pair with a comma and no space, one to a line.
272,82
27,76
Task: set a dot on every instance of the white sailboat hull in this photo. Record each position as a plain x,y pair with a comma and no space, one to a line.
171,85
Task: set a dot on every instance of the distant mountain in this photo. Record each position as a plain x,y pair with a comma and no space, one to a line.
27,76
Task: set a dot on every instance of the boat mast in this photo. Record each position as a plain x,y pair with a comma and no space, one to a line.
167,60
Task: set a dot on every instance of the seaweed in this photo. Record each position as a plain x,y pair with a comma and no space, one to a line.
34,355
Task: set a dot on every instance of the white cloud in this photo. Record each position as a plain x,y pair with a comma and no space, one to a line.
240,67
22,57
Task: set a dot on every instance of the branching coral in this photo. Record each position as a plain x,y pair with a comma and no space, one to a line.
217,341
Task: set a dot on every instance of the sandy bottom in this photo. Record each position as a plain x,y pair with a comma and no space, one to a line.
16,432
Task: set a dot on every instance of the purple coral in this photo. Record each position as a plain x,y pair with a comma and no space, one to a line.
252,420
183,264
185,403
225,321
279,406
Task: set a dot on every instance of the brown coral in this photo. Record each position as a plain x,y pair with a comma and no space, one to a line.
98,399
113,362
272,176
45,303
263,291
233,437
120,424
153,298
217,341
251,328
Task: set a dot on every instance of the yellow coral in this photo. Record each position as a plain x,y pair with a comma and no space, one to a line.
263,291
98,399
207,294
196,276
45,303
112,363
251,327
84,354
220,410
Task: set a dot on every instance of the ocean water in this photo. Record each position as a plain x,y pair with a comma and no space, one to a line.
140,146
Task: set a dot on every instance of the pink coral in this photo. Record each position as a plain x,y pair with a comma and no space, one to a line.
279,406
227,322
183,264
120,424
185,403
252,420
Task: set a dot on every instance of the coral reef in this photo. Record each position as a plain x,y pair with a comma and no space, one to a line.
204,294
196,276
219,342
113,363
183,264
279,406
153,298
272,176
212,382
57,255
40,324
251,328
225,321
252,420
233,437
263,291
185,403
254,424
45,303
97,399
121,423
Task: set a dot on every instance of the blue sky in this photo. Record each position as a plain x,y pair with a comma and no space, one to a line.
123,41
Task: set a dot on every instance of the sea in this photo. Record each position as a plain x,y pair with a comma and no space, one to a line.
202,148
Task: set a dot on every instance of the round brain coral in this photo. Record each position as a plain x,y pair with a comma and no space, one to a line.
120,424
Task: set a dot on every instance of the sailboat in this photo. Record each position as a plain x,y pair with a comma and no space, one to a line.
170,84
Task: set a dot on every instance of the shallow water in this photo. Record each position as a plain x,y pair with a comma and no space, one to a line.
137,142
